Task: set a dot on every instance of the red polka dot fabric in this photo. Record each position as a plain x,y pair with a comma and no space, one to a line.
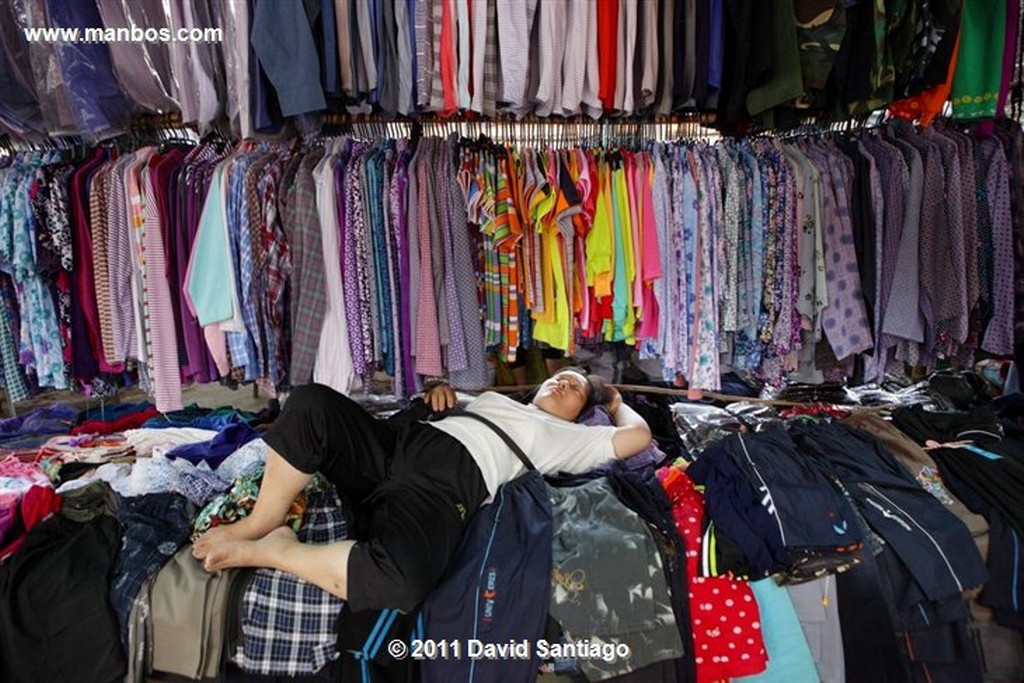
725,621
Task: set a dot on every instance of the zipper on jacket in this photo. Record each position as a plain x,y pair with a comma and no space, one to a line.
480,576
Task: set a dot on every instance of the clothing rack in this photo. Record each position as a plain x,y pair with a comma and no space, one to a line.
630,132
144,130
724,398
530,129
626,133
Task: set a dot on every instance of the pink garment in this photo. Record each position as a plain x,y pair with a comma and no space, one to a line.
14,468
650,258
448,64
217,344
585,187
158,315
651,249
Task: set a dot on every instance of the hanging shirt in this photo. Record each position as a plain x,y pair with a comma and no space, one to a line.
845,319
350,213
98,103
99,216
650,270
551,47
903,315
625,89
480,31
730,236
662,201
136,205
119,266
210,281
515,20
948,282
333,364
236,66
647,52
462,75
631,167
624,318
244,349
84,313
976,84
291,63
995,169
191,63
455,343
428,340
704,351
162,350
308,291
599,239
579,85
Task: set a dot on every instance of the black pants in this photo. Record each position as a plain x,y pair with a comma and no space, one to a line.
414,488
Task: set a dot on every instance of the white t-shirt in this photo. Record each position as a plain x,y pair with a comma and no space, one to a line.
551,443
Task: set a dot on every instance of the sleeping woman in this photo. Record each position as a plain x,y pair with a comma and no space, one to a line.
415,485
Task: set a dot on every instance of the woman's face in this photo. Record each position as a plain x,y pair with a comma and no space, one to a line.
563,395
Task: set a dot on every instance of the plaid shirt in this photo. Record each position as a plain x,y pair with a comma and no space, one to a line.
240,344
308,299
289,625
275,268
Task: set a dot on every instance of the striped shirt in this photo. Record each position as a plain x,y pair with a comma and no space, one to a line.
98,219
158,312
119,267
424,31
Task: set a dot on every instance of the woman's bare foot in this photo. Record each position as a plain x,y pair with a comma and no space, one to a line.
263,552
245,529
210,539
281,483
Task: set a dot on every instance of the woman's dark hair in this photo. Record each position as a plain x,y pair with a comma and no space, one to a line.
598,394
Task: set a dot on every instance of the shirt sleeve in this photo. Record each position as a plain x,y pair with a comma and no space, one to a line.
577,448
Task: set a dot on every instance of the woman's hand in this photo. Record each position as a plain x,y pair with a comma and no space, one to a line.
440,397
613,401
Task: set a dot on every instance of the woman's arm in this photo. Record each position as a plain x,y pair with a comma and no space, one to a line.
632,434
